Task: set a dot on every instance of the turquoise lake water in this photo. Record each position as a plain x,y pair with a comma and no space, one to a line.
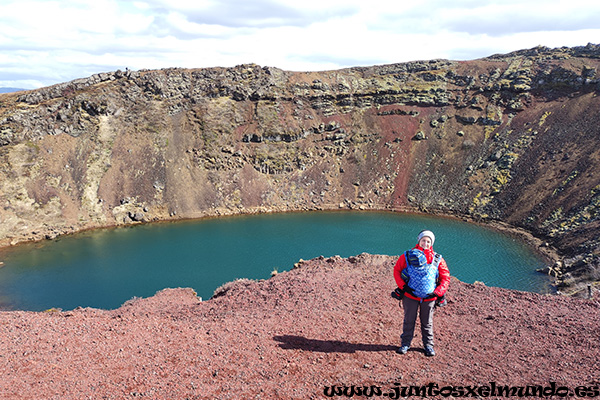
105,268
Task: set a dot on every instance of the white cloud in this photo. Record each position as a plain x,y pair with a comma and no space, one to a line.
46,42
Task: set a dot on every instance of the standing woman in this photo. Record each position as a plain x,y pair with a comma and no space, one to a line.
422,277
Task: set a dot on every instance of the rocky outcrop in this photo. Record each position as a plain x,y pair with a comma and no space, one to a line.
509,138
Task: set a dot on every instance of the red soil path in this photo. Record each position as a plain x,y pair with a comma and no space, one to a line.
327,322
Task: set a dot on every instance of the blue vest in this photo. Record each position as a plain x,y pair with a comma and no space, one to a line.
420,276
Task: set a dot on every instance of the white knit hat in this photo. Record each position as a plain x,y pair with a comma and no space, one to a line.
429,234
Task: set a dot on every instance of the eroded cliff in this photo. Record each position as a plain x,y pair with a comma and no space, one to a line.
511,138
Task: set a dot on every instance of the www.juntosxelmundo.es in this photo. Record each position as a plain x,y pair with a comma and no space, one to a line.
478,391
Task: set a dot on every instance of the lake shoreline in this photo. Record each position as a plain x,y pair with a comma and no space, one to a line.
198,254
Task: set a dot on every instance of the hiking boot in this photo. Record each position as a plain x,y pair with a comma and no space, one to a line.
402,349
429,351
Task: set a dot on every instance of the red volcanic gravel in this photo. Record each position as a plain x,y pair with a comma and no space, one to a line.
329,322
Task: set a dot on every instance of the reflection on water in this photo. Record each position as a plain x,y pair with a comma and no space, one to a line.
105,268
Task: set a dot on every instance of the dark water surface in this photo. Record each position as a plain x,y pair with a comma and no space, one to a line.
105,268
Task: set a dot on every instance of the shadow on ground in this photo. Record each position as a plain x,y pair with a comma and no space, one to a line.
328,346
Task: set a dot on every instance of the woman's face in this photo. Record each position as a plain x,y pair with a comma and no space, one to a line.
425,242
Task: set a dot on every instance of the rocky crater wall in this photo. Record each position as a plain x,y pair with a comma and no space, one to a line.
511,138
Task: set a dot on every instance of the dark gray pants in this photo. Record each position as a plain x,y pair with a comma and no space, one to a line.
425,311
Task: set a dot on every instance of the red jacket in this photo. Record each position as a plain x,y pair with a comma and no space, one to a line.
443,274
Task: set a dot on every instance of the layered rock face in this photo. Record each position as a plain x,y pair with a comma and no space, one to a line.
511,138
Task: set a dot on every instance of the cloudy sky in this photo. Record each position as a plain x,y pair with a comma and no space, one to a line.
43,42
